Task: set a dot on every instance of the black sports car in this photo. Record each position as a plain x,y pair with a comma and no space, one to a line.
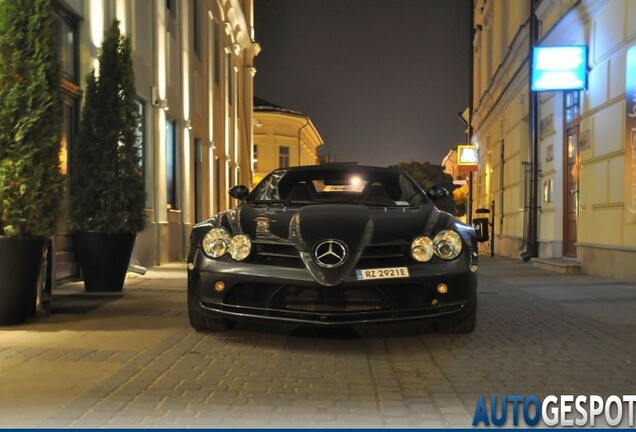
333,245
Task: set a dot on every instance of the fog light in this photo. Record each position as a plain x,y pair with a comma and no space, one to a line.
219,286
442,288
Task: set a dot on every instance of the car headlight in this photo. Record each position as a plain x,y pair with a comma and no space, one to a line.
422,249
447,244
216,242
240,247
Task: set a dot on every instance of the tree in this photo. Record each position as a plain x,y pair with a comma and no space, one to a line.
107,186
460,196
428,175
30,119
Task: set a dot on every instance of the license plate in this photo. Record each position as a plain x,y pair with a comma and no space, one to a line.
382,273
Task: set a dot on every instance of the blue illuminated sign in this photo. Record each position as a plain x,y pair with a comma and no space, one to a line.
559,68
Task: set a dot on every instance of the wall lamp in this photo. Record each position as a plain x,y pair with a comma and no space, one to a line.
157,101
161,103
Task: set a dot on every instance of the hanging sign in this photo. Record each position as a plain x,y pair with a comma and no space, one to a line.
467,158
559,68
630,137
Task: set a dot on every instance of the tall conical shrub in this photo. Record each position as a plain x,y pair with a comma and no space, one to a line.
107,186
30,119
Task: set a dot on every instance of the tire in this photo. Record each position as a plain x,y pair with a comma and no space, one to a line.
463,324
200,322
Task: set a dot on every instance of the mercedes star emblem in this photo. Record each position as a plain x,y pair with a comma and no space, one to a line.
330,253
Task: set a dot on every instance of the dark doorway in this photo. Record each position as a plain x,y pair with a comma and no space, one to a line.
571,198
198,167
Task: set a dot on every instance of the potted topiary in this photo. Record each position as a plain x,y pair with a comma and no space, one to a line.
30,132
107,186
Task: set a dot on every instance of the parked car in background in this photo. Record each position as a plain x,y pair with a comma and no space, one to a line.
335,244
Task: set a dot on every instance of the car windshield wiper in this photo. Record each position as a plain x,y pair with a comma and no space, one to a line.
368,203
375,203
282,202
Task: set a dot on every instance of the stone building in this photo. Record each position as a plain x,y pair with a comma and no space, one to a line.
558,164
194,72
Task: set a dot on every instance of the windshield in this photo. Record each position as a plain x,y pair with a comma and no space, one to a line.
370,186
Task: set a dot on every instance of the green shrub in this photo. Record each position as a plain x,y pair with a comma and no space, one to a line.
107,185
30,119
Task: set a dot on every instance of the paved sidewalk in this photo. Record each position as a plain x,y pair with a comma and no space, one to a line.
132,360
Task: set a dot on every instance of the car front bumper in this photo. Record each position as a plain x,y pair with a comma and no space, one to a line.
290,294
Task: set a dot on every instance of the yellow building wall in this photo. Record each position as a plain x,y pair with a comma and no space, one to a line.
275,129
606,241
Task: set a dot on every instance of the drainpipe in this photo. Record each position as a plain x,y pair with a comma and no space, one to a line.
532,229
469,131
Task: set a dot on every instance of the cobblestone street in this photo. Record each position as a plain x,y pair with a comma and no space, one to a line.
132,360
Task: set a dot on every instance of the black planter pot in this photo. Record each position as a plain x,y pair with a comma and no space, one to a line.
21,260
103,259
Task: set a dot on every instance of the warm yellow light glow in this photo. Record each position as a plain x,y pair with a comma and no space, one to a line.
120,11
63,155
97,21
96,67
355,181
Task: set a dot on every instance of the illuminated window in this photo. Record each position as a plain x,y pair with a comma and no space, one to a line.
67,45
283,156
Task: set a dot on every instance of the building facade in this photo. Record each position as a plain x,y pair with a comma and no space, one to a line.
282,138
560,164
194,72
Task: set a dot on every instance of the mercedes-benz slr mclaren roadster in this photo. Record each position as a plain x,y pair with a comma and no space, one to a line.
333,245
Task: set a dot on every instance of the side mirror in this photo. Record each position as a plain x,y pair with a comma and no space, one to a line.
239,192
436,193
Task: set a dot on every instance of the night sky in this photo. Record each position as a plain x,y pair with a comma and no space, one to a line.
382,80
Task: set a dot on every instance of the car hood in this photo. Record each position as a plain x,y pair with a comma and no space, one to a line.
355,226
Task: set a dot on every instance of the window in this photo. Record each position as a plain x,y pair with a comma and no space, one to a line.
217,53
230,79
572,107
196,39
171,164
67,37
255,158
283,156
198,179
140,132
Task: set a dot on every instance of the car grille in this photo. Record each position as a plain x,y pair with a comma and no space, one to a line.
286,255
384,256
277,254
330,300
